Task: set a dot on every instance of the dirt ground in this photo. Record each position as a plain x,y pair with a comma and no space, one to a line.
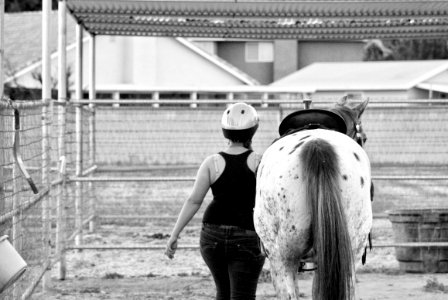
148,274
370,286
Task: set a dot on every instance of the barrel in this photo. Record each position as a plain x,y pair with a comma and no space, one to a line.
419,226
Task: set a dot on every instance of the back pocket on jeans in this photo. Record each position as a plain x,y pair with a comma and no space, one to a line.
249,249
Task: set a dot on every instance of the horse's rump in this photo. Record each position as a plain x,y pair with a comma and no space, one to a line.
305,180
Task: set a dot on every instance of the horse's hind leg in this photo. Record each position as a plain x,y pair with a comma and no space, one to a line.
284,277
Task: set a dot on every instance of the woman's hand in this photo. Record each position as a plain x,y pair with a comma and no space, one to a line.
171,247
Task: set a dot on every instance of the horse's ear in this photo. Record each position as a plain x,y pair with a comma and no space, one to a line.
361,107
342,101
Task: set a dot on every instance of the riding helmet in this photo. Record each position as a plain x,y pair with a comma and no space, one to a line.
239,122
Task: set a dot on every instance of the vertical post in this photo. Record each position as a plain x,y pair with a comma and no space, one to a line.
62,112
2,128
116,96
264,98
46,96
155,99
92,96
78,136
15,230
194,98
230,96
307,103
2,52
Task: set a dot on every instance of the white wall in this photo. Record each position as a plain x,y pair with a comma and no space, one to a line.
155,62
144,60
109,60
182,66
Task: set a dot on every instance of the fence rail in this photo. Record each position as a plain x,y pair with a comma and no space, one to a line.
155,179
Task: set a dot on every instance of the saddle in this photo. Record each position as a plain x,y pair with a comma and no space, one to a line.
312,119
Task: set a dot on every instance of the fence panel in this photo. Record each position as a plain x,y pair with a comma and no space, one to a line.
32,221
143,135
22,211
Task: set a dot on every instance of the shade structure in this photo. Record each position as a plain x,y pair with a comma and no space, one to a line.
251,19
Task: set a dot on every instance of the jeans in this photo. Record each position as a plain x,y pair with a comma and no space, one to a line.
234,258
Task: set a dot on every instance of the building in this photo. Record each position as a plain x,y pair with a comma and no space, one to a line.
398,80
270,60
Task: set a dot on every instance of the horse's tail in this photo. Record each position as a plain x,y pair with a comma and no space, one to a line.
331,240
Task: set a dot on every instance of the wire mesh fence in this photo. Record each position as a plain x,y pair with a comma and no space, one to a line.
412,134
24,214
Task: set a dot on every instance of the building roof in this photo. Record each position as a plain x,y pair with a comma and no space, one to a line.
23,39
263,19
378,75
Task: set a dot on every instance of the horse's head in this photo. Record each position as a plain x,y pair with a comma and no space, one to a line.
351,113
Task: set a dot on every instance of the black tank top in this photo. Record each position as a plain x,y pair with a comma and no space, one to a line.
233,194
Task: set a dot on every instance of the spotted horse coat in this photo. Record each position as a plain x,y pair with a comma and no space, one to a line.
313,195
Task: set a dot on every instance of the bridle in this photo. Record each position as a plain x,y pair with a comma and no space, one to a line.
357,133
360,136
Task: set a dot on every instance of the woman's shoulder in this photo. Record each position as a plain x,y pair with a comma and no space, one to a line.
212,158
214,162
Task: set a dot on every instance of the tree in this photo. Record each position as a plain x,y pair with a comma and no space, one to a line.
26,5
406,49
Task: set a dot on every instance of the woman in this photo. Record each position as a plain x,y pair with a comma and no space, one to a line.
229,244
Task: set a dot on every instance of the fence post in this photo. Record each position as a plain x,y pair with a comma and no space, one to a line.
116,96
91,161
15,228
46,96
2,161
155,98
78,137
194,98
2,31
2,127
61,199
264,98
230,96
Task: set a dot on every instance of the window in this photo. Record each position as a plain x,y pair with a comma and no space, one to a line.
259,52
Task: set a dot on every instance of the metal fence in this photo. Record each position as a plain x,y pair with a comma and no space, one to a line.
90,162
40,211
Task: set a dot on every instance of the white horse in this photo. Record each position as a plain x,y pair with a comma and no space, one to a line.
313,202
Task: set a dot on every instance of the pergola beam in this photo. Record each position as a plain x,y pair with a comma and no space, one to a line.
265,9
269,33
248,19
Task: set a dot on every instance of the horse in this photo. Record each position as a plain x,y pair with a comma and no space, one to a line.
313,203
